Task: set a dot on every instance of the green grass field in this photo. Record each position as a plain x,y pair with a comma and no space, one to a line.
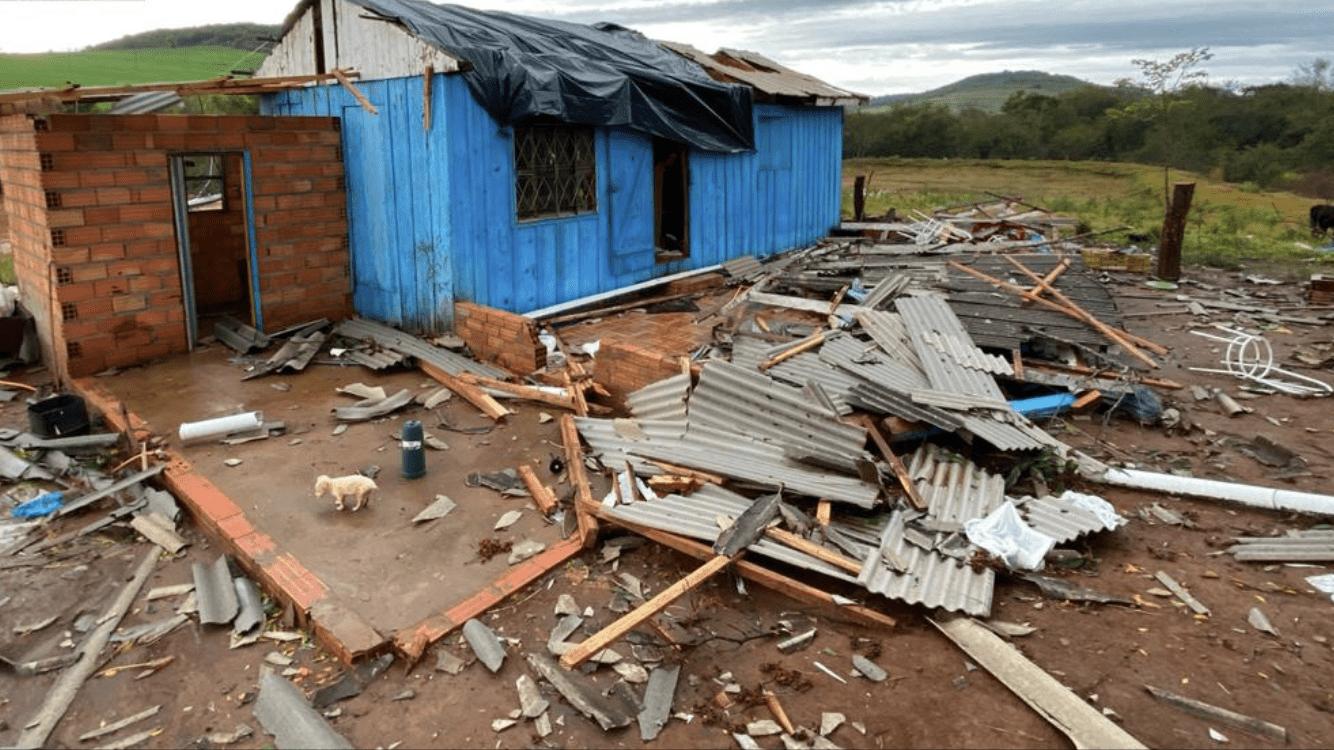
114,67
1227,225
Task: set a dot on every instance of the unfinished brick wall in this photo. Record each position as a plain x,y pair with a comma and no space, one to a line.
102,259
505,338
624,368
25,207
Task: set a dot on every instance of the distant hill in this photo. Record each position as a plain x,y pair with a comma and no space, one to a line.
159,56
242,36
986,92
122,66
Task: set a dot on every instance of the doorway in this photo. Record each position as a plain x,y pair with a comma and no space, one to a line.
214,238
671,202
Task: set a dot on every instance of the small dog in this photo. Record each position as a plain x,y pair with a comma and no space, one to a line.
353,485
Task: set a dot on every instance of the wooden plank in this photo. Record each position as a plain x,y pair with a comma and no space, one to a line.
356,93
632,619
578,478
542,494
786,354
1233,719
683,471
1082,723
1111,375
1086,401
802,592
427,81
895,463
489,406
823,512
525,392
578,403
814,550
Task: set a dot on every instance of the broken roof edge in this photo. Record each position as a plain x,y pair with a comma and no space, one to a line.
765,75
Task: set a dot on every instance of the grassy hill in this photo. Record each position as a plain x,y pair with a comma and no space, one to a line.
986,92
242,36
113,67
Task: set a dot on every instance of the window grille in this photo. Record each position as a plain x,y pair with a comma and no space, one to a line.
555,170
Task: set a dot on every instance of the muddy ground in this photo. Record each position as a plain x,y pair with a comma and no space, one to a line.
933,696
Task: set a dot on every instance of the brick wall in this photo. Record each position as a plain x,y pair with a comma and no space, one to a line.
504,338
624,368
110,252
25,207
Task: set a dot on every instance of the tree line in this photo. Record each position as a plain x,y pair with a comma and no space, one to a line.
1275,135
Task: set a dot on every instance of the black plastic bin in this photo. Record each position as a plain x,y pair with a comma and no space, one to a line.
61,415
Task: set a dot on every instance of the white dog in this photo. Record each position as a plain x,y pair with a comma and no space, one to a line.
353,485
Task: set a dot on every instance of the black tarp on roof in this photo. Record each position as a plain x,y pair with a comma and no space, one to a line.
524,68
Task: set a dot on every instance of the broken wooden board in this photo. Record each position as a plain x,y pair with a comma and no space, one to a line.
1083,724
1233,719
476,396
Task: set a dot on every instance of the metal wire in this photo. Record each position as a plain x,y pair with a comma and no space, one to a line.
1250,357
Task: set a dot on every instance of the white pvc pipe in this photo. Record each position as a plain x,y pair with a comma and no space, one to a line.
251,420
1246,494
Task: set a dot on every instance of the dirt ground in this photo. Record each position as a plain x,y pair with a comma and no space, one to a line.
933,697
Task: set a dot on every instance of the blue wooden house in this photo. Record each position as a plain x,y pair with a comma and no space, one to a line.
521,163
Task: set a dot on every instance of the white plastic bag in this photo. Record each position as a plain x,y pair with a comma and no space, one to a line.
1004,534
1104,510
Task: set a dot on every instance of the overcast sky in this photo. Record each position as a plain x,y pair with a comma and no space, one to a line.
869,47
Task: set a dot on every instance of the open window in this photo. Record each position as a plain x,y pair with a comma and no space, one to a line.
555,171
205,182
671,205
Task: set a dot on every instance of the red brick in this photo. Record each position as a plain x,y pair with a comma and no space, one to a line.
112,195
89,178
106,251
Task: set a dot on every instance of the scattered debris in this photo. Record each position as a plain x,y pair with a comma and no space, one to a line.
441,507
282,711
1231,718
484,643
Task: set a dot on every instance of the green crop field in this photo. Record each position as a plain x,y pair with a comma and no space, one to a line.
114,67
1227,227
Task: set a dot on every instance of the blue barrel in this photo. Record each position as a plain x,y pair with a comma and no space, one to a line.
414,453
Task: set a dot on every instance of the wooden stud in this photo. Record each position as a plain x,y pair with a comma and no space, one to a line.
802,592
543,495
895,464
1095,372
1086,401
578,477
426,97
823,511
476,396
838,298
776,709
814,550
1017,363
356,94
687,472
525,392
632,619
1102,328
791,352
579,403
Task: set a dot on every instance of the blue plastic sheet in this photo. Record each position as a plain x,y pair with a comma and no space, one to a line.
37,507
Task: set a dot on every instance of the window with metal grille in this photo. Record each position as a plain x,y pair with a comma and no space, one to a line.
52,199
555,171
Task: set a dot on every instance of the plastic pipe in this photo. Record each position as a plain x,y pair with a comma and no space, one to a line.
1246,494
251,420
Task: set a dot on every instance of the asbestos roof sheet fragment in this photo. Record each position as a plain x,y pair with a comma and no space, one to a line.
930,321
719,452
665,399
928,578
1300,546
954,488
887,330
1060,518
283,712
216,592
729,397
412,346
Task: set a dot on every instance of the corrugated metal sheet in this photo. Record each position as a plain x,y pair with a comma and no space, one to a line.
869,363
1013,432
663,400
929,317
929,578
730,398
1301,546
765,75
696,516
415,247
720,452
966,354
1059,519
887,330
146,103
749,352
405,343
954,488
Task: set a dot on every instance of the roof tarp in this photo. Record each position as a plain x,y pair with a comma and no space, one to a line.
525,67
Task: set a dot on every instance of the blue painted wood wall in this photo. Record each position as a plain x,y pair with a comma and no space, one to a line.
432,216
